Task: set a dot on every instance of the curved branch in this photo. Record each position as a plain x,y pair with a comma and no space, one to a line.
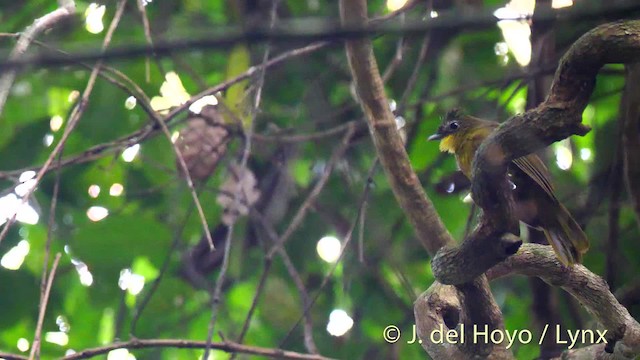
558,117
389,146
478,305
590,289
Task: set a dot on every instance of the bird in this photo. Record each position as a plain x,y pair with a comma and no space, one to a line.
535,201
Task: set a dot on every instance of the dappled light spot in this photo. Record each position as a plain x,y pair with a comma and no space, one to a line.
172,93
564,155
57,337
63,324
23,345
120,354
97,213
558,4
131,282
94,191
14,258
10,205
515,29
130,153
433,14
197,105
328,249
130,103
393,5
56,123
116,189
27,175
93,18
339,322
585,154
47,140
86,278
174,136
73,96
24,188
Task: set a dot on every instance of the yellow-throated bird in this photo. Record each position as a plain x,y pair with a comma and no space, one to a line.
535,201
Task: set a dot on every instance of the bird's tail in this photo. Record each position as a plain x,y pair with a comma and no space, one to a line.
566,237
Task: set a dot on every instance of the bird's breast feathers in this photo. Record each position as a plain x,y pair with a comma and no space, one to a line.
447,144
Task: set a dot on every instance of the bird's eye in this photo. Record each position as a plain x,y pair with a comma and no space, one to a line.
454,125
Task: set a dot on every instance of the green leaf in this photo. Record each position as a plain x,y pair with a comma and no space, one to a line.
239,62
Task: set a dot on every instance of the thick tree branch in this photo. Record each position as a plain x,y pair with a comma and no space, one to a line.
558,117
623,331
389,146
478,305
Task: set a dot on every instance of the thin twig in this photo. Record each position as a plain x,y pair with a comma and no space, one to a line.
47,247
304,296
75,116
147,34
215,299
413,79
304,208
309,343
266,268
345,244
322,30
26,38
401,47
226,346
187,176
149,131
43,308
339,129
141,305
297,221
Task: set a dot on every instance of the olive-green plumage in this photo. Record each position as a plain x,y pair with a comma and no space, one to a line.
535,200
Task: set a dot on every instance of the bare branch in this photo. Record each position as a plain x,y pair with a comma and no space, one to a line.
389,147
623,331
227,346
75,116
558,117
43,308
65,10
478,305
319,31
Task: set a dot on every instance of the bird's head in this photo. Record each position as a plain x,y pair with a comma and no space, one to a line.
454,127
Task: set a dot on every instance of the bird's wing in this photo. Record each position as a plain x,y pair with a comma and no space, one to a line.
533,166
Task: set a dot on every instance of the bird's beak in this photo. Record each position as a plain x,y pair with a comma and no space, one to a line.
435,136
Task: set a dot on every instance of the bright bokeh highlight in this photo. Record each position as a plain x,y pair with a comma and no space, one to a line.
97,213
339,323
329,248
14,258
93,18
130,153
